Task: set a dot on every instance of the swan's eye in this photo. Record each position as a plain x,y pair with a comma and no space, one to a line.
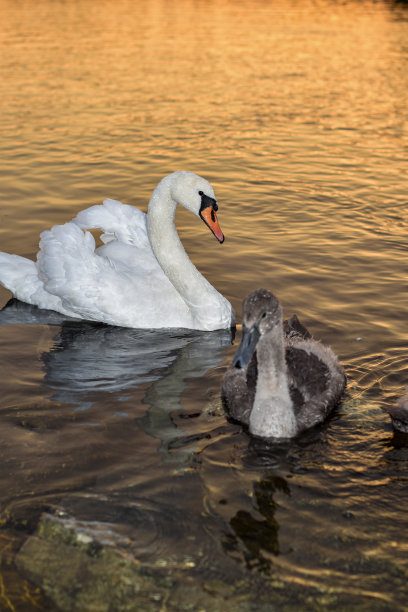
201,193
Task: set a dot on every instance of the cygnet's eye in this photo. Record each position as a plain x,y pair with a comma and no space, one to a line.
263,315
201,193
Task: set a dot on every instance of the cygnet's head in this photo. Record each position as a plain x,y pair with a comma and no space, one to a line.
261,313
197,195
261,308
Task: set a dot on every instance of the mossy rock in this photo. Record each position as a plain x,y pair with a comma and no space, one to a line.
86,567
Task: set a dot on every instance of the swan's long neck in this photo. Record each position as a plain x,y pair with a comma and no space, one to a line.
272,413
198,294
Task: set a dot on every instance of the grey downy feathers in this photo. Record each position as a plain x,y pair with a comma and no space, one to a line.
281,380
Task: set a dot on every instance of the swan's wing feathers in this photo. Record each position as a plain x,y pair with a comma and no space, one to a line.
238,390
70,270
95,286
118,221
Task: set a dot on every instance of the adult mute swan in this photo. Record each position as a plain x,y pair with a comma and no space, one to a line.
281,381
140,277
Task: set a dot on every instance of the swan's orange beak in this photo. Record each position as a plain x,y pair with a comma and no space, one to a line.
209,217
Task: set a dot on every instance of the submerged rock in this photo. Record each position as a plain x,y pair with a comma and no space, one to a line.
87,566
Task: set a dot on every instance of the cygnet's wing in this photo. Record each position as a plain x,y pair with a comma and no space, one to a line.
316,379
293,328
238,390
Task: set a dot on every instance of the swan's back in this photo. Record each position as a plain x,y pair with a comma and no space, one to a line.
120,283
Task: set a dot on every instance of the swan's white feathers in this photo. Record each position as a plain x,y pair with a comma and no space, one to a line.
20,276
140,277
122,222
100,285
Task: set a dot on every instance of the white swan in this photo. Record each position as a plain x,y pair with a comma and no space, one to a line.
140,277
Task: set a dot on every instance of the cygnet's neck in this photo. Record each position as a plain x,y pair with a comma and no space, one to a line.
200,297
272,413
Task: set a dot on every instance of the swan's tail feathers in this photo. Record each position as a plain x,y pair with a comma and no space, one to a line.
14,270
118,222
20,276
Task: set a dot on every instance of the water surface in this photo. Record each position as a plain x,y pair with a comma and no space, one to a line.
296,113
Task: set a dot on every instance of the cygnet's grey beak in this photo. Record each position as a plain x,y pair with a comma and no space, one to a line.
247,346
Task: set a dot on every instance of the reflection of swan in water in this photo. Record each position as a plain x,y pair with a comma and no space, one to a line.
20,313
194,359
88,359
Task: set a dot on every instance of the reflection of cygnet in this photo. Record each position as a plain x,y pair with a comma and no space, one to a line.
165,395
141,277
281,381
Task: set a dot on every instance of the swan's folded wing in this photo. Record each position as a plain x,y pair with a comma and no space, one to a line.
236,395
85,283
118,221
129,291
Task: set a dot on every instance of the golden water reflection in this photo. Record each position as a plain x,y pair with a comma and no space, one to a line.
296,112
